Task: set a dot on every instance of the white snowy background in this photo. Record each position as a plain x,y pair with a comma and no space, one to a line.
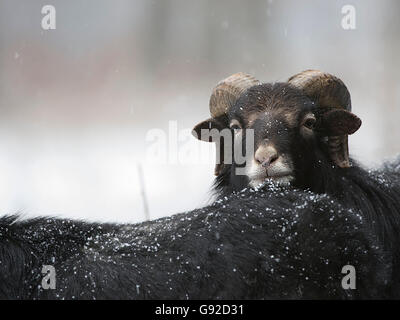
77,102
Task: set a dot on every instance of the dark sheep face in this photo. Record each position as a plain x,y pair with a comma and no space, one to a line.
286,141
278,133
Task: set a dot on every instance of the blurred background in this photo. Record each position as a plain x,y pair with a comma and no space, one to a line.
77,103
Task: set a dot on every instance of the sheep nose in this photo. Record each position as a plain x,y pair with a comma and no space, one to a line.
266,155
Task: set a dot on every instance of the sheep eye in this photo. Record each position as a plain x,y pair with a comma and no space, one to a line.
235,125
309,123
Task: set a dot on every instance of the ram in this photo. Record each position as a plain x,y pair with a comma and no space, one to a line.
300,129
314,213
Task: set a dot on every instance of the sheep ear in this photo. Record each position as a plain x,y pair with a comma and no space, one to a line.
208,130
339,122
211,133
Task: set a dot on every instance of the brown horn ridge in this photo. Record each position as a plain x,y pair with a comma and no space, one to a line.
327,91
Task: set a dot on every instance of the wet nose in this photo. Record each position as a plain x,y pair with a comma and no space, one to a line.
266,155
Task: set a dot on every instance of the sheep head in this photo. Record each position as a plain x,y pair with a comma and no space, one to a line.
294,123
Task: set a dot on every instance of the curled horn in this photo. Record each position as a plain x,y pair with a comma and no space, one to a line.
228,91
328,92
223,97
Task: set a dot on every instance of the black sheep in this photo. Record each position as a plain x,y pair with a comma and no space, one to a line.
316,212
